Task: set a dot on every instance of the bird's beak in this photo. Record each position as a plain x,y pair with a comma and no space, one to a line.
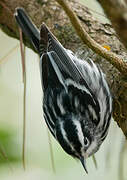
83,161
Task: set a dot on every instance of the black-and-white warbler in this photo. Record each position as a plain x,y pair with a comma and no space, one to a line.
77,102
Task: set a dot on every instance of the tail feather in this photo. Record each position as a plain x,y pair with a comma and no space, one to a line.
43,39
27,27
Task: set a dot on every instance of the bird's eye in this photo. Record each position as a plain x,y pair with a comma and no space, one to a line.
86,142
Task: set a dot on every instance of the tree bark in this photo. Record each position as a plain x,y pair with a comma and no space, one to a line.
119,19
51,13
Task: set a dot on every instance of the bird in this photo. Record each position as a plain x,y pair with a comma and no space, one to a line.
77,102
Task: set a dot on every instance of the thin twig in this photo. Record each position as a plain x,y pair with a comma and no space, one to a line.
51,152
120,64
22,53
24,99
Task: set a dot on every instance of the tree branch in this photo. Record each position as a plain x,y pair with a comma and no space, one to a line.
50,12
116,11
110,56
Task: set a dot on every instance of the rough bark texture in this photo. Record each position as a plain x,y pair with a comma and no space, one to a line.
51,13
117,13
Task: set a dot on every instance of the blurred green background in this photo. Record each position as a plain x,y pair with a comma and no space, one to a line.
38,159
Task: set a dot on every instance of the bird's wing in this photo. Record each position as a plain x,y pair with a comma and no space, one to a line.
56,72
63,69
63,65
50,73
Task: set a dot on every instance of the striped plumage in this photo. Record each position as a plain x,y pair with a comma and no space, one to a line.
77,102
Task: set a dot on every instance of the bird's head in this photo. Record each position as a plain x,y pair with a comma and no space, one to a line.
77,137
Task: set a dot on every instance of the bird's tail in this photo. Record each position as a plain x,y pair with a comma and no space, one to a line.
29,29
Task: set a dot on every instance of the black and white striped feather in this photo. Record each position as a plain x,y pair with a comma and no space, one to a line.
77,102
